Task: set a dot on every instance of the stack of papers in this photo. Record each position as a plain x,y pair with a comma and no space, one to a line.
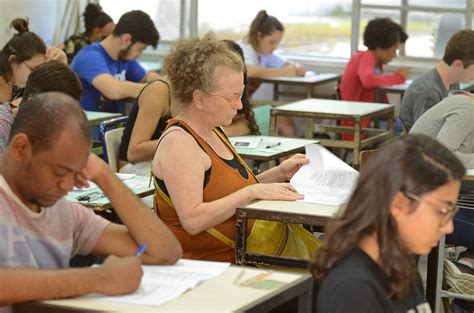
161,284
326,179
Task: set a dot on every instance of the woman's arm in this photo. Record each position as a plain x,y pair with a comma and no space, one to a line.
153,104
181,163
254,71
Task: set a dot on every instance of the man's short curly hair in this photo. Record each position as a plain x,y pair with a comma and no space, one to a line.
191,63
383,33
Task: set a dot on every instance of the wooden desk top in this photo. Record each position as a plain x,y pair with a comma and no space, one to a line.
314,78
217,294
335,107
294,207
286,147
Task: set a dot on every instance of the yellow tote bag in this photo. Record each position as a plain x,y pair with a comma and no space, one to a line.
277,239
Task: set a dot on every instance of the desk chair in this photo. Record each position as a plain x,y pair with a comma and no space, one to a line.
110,133
262,118
364,156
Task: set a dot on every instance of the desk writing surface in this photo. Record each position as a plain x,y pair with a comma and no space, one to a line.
217,294
286,144
469,174
400,87
96,117
150,66
295,207
138,185
340,107
307,79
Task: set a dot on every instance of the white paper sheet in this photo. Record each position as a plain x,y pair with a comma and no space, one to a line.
326,179
161,284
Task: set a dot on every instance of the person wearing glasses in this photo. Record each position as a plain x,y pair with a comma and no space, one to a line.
451,122
20,55
199,177
148,117
367,263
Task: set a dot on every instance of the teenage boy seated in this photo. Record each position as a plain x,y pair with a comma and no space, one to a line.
109,68
430,88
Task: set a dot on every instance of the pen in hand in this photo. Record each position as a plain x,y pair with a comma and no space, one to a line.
140,250
273,145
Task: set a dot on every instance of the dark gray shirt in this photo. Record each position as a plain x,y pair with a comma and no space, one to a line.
422,94
451,122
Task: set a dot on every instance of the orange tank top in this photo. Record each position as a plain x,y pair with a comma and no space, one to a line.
222,181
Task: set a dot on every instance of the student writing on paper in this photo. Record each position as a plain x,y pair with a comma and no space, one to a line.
259,45
110,67
367,263
47,154
199,177
364,72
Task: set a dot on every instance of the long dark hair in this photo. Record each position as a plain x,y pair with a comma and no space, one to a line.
246,106
24,45
413,164
264,24
94,17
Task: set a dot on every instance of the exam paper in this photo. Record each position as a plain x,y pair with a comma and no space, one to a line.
163,283
326,179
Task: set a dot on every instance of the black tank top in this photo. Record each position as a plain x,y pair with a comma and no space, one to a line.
160,127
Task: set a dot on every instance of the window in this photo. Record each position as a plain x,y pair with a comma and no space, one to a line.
429,23
165,13
311,27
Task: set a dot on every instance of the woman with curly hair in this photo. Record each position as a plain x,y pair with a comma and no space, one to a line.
147,120
199,177
367,262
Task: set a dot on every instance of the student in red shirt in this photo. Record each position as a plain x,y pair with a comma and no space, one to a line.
364,72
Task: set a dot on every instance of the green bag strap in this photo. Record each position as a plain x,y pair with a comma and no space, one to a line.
221,237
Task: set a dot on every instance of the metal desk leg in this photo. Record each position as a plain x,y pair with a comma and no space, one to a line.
276,91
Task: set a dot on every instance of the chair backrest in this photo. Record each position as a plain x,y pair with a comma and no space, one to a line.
262,118
111,132
364,156
113,138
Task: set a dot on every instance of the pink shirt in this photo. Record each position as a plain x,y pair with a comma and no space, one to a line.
362,76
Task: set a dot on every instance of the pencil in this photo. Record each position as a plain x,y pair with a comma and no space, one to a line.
255,279
237,279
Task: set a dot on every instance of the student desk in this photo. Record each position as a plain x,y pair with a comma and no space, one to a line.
217,294
397,89
150,66
260,154
138,184
309,82
338,110
402,88
284,211
95,118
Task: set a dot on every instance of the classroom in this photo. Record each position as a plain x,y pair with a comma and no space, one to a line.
247,156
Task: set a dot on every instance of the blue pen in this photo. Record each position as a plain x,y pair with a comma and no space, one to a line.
141,249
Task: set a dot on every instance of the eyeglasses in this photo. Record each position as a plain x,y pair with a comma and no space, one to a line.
29,66
230,99
446,212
